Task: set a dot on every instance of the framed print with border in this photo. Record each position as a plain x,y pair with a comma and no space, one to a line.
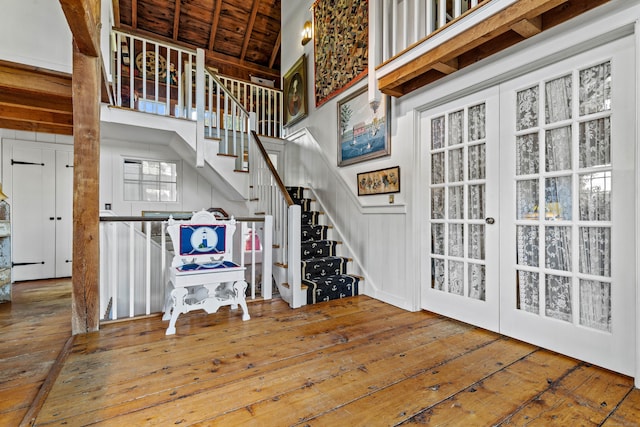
381,181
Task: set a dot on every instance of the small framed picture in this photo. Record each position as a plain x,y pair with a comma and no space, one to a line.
381,181
295,92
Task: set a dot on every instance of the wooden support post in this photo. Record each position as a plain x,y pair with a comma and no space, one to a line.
83,17
86,178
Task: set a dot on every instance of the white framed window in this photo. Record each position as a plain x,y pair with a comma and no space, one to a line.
150,180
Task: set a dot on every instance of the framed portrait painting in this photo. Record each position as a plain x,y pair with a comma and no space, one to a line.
363,133
294,85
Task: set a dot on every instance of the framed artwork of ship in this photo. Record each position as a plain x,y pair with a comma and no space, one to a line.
363,133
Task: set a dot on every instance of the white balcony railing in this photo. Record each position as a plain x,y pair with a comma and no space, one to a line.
162,79
407,22
135,253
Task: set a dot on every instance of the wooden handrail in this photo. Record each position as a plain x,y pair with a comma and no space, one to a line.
274,173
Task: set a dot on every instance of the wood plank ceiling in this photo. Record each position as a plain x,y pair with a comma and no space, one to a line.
241,38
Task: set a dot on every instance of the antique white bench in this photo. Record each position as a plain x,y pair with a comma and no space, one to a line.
202,275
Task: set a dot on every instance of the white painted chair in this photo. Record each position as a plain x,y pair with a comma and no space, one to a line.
202,275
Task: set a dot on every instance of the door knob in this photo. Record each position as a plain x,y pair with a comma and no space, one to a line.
489,220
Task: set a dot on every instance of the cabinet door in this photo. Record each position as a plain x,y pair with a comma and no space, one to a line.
33,204
64,213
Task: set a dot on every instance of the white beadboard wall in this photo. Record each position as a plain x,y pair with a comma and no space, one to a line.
374,236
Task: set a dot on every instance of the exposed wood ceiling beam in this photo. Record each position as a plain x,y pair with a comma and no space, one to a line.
276,49
214,24
176,20
247,35
36,127
134,14
528,27
23,113
446,67
116,12
27,79
84,25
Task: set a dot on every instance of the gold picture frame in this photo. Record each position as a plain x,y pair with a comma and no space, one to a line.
381,181
294,85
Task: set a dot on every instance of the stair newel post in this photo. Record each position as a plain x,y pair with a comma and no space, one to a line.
294,231
267,257
200,92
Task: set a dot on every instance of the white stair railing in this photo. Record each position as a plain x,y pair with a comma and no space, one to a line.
271,198
226,119
134,256
265,102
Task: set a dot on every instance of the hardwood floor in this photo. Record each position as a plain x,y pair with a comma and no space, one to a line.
350,362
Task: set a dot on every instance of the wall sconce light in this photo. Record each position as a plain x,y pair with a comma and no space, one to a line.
307,33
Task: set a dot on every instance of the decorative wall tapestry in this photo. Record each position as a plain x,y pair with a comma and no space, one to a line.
341,45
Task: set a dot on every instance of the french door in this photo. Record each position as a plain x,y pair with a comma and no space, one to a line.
559,257
461,209
568,227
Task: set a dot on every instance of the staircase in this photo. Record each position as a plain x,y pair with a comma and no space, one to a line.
324,274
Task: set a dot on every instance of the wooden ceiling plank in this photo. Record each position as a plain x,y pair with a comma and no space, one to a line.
36,127
528,27
276,49
475,36
247,35
134,14
22,113
84,24
176,20
214,24
32,80
115,4
36,101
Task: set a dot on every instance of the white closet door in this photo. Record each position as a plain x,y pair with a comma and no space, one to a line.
64,213
567,207
33,219
460,180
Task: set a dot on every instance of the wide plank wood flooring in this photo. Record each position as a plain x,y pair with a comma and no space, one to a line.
352,362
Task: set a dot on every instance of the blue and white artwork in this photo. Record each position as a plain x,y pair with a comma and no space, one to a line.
202,239
363,131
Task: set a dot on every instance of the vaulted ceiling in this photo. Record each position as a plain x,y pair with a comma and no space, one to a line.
241,38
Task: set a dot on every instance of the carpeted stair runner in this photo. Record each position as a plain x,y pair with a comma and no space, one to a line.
324,273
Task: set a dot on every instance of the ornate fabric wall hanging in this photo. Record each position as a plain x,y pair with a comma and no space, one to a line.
341,46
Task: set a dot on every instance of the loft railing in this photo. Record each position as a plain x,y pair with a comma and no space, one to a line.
271,198
265,102
407,22
161,78
135,253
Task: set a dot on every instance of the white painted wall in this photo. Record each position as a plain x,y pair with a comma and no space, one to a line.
385,242
194,191
35,32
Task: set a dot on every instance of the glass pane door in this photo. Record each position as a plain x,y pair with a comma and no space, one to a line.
460,146
566,173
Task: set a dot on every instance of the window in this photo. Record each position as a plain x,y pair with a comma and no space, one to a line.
150,181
